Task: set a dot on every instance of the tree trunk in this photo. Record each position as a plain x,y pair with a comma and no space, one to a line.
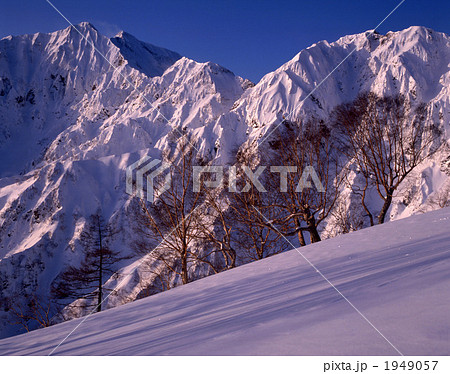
184,269
100,271
260,252
386,206
233,257
312,228
301,238
363,203
313,233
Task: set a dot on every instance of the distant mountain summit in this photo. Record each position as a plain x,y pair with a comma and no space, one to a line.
145,57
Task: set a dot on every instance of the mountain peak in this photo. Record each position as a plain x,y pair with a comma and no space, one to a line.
125,35
86,25
82,27
145,57
78,31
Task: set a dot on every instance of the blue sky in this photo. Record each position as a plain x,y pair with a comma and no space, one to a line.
250,38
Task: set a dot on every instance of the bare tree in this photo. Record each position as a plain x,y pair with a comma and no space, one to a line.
31,312
162,280
305,194
171,226
235,219
386,138
217,227
251,211
346,220
439,199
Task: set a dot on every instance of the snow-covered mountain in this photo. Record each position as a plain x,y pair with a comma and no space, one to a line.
282,306
76,108
413,61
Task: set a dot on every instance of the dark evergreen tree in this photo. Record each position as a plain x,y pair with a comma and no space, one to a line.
99,263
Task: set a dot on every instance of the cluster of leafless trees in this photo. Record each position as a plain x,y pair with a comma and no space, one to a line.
186,234
30,311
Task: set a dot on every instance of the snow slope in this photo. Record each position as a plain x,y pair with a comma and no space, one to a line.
397,275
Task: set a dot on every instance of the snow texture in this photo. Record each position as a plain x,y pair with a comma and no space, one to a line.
397,275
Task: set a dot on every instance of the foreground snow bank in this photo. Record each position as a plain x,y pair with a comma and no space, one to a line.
397,275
